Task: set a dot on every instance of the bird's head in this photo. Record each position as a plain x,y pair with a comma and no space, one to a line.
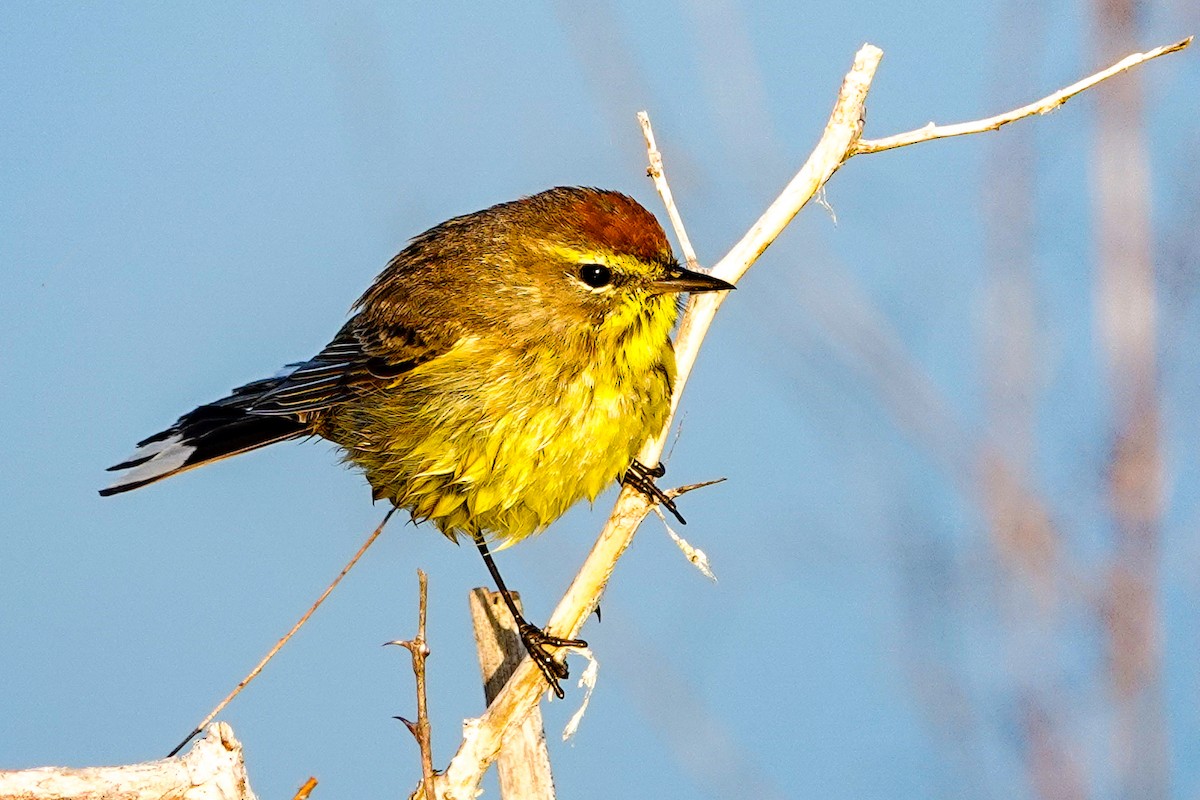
589,258
569,261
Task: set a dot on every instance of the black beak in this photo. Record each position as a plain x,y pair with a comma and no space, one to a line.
678,279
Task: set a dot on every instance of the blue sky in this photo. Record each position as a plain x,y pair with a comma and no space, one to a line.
192,196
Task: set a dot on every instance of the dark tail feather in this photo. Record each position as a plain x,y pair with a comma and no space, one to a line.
209,433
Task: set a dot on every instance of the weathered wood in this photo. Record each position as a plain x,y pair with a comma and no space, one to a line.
524,763
212,770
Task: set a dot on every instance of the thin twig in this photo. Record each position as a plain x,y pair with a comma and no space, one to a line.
659,176
279,645
418,648
304,791
1043,106
420,653
691,487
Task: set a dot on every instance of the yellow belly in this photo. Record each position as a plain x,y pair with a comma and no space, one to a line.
497,441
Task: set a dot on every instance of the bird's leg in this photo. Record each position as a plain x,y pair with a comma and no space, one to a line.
534,638
641,477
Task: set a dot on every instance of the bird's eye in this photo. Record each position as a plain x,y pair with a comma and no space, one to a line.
595,275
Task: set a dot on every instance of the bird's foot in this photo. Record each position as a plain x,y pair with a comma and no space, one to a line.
536,641
641,477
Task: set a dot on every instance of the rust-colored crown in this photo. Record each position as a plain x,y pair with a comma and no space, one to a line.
609,219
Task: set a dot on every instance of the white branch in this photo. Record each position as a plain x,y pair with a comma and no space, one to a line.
212,770
1043,106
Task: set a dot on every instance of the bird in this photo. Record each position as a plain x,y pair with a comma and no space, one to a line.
505,365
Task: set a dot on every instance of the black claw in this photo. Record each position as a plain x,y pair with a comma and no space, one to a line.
641,477
536,641
534,638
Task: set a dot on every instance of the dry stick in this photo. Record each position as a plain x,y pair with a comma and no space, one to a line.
1043,106
304,791
420,729
838,143
656,173
279,645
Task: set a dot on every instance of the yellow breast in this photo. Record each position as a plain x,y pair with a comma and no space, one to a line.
501,439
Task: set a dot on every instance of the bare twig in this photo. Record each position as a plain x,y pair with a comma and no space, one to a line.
419,650
305,790
838,143
1043,106
659,176
279,645
691,487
